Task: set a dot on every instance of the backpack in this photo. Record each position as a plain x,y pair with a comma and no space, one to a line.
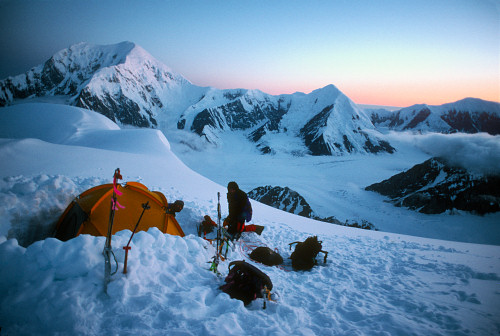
247,210
266,256
245,282
304,255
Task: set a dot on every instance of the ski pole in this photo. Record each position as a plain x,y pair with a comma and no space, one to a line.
145,206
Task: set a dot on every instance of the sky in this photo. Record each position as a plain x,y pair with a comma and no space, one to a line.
386,52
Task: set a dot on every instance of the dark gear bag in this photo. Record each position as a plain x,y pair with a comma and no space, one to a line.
265,255
304,255
246,282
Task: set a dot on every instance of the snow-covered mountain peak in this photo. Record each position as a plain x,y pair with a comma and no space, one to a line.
139,60
329,90
466,104
74,66
92,58
70,71
473,105
86,54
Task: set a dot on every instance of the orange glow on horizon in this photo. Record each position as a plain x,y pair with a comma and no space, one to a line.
401,95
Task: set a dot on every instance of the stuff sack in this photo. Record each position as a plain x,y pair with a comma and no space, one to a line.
304,255
247,210
245,282
266,256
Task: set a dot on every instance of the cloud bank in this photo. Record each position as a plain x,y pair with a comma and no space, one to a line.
478,153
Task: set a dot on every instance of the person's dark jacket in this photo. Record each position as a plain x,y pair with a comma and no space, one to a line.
236,202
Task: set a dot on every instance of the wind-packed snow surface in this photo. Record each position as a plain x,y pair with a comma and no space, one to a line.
373,283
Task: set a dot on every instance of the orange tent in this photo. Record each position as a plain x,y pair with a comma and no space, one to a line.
89,213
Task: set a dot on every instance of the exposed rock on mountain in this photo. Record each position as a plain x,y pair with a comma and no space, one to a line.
291,201
433,187
283,199
366,225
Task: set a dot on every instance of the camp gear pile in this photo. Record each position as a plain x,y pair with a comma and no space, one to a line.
106,209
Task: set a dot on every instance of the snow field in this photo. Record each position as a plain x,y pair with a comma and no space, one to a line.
387,287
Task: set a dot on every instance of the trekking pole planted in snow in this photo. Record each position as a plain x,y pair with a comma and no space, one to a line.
145,206
107,247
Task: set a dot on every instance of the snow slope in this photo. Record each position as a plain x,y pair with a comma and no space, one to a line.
374,283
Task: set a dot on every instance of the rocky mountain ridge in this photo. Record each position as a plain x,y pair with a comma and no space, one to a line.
289,200
469,115
435,186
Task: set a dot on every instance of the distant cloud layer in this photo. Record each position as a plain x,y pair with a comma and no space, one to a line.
478,153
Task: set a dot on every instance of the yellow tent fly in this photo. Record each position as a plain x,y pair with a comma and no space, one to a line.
89,212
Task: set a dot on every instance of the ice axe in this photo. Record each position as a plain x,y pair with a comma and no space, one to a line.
107,252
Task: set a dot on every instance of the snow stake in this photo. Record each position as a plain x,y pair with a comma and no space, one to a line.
145,206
